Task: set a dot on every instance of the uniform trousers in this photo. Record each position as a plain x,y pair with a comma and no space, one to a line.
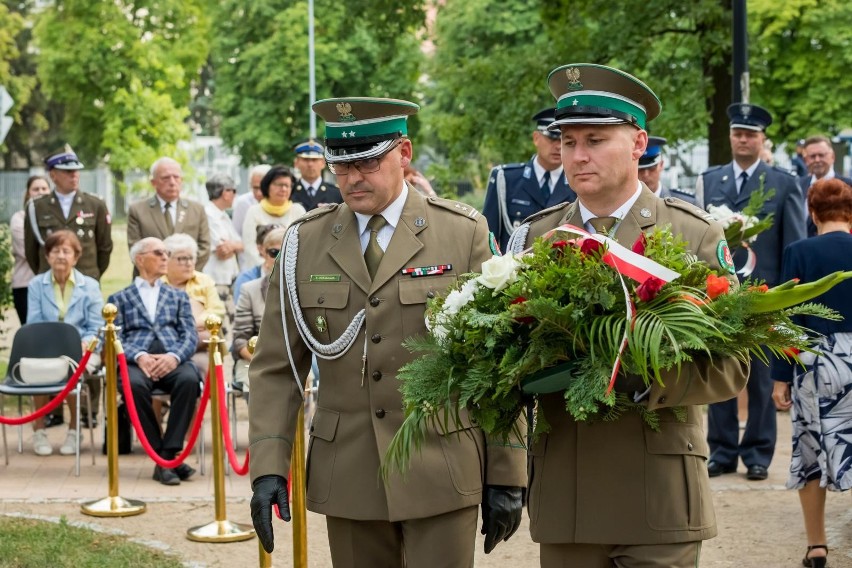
680,555
442,541
723,428
183,386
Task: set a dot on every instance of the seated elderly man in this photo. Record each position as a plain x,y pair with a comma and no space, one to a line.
158,334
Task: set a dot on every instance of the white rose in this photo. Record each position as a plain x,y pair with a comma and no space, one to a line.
499,272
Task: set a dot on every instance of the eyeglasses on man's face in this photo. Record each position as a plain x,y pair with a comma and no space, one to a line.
366,166
162,253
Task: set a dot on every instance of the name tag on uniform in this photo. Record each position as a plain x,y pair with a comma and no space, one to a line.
520,202
325,277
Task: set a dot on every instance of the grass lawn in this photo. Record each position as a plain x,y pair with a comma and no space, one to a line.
120,272
28,542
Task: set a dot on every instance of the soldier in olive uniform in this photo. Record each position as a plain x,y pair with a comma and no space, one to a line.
651,165
516,191
619,493
351,283
66,207
312,191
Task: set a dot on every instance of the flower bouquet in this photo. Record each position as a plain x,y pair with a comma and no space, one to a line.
581,309
742,227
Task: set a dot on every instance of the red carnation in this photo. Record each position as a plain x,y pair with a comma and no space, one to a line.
559,247
716,286
649,289
639,245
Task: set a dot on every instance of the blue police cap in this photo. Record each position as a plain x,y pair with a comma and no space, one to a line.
309,149
653,153
64,159
545,118
749,116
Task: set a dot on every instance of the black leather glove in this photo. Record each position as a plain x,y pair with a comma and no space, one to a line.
501,513
268,490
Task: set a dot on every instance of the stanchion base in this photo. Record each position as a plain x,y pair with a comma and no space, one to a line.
220,531
113,507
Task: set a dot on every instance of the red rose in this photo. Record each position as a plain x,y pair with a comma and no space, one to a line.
559,247
717,285
639,245
591,246
649,289
525,319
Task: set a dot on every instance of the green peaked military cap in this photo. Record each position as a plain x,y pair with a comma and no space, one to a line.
357,128
595,94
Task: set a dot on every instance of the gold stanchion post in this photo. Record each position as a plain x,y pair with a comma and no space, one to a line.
220,530
113,505
297,492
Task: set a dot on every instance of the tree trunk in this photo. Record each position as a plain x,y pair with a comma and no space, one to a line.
718,72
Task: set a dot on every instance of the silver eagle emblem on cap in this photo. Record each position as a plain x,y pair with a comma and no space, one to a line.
345,112
573,75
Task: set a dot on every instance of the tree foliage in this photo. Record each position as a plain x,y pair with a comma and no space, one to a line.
260,56
122,71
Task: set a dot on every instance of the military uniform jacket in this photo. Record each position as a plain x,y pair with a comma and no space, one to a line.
621,482
523,198
326,193
359,411
88,218
787,206
145,219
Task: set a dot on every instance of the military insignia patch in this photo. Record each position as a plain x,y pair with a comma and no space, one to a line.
573,75
723,254
493,244
345,112
321,325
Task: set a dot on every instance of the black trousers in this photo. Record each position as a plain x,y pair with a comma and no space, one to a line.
183,386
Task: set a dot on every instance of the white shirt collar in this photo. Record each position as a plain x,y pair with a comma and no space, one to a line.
829,175
540,171
163,203
311,186
141,283
750,170
619,213
391,213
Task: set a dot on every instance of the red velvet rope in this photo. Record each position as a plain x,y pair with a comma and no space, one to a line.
226,427
57,400
134,418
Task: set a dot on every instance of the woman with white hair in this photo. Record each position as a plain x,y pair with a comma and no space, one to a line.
200,288
225,243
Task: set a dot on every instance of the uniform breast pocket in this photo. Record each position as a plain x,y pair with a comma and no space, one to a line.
324,307
413,294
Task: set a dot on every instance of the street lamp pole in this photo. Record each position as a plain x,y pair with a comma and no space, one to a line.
740,84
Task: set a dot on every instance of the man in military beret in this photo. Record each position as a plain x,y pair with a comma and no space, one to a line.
66,207
312,191
618,493
516,191
651,165
352,285
732,185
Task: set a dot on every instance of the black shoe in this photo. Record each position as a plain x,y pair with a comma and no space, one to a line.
166,476
715,469
757,473
815,561
52,420
184,471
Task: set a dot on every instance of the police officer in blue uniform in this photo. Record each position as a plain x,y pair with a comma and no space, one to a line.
651,165
516,191
732,185
312,191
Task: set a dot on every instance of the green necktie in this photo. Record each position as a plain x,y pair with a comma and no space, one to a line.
373,253
603,225
168,216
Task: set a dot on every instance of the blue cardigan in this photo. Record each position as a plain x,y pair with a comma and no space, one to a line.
83,310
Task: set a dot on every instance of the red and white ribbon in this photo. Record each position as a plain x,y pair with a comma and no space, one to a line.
751,262
626,263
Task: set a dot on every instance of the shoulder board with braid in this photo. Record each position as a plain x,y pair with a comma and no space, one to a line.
454,206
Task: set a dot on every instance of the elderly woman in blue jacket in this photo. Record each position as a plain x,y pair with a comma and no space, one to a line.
63,294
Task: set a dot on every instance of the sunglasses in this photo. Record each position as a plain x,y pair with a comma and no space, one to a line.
162,253
366,166
272,252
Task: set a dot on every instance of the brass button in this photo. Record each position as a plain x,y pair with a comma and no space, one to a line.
689,446
321,300
376,338
377,375
430,294
380,413
374,301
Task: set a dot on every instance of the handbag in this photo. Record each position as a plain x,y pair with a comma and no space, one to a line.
37,371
